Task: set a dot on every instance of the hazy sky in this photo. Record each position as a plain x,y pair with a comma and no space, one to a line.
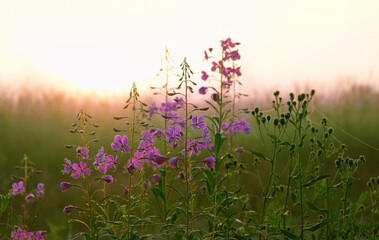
109,44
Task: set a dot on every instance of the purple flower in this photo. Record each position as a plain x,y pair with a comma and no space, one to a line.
108,179
239,150
156,177
211,147
65,186
203,90
227,44
68,209
194,147
152,109
120,143
130,168
210,162
19,235
215,97
147,185
80,170
39,235
205,136
173,135
204,75
111,162
67,166
181,175
206,55
198,123
157,133
18,188
40,189
82,153
30,197
100,160
215,66
174,162
160,160
234,55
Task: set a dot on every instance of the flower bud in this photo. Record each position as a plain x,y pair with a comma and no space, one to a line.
68,209
65,186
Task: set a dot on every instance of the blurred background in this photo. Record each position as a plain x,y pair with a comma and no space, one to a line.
57,57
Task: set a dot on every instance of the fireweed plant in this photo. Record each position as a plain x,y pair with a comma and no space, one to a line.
23,204
297,197
222,182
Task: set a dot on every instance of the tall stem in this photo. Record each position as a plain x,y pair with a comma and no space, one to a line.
25,193
131,158
186,160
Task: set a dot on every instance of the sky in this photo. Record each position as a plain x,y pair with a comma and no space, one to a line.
107,45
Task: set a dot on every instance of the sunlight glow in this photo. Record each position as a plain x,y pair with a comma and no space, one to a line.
98,45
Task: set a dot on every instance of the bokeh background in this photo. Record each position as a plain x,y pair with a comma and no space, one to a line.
57,57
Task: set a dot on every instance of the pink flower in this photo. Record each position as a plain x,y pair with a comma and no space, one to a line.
40,191
206,55
120,143
210,162
181,175
147,185
80,170
30,198
156,177
174,162
18,188
203,90
82,152
204,75
108,179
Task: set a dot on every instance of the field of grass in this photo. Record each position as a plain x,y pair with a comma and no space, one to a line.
38,127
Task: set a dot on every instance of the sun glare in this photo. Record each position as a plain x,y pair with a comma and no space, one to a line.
99,46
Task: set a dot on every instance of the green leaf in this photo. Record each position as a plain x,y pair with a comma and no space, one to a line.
86,236
294,199
289,234
5,199
313,181
320,224
193,233
213,106
210,182
258,154
158,194
315,208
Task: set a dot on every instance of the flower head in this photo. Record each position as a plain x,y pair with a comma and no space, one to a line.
198,123
204,76
82,153
174,162
173,135
68,209
67,166
108,179
210,162
80,170
156,177
40,189
18,188
147,185
120,144
65,186
181,175
203,90
30,197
